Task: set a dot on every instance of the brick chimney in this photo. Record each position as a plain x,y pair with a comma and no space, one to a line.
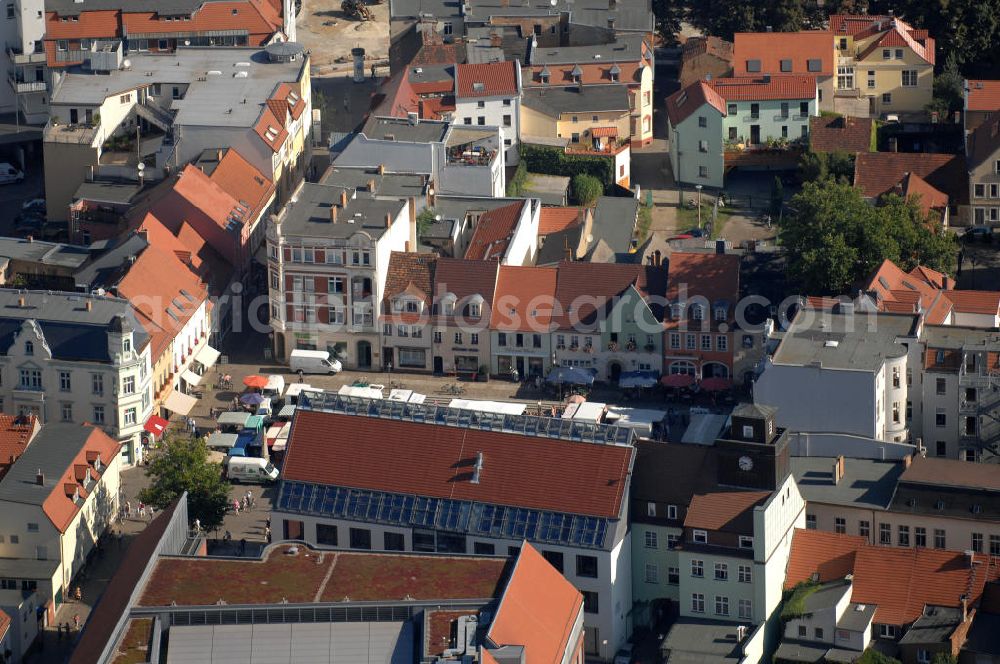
838,469
371,185
381,169
496,40
89,305
333,214
343,199
388,220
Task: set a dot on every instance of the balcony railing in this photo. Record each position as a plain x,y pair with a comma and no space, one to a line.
19,58
26,86
70,133
74,55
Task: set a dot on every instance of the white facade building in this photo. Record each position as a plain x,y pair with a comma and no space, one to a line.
507,490
490,94
77,358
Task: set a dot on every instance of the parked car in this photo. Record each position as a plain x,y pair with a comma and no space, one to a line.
9,174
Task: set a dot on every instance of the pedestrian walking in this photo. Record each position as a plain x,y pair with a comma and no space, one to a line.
236,505
59,631
197,525
76,621
78,594
227,537
243,546
142,510
128,509
267,534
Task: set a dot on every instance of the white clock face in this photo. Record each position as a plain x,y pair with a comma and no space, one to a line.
746,463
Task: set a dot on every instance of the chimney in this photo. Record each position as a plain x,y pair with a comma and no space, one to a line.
381,169
218,154
371,185
30,238
496,41
477,469
333,214
388,220
893,144
612,4
611,23
89,305
965,607
21,301
907,460
343,199
39,478
838,469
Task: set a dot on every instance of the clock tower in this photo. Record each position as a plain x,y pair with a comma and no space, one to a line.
753,452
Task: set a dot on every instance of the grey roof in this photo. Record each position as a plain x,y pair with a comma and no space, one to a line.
866,483
696,641
393,185
309,216
163,7
52,452
549,189
404,130
842,341
634,15
414,8
28,568
953,336
552,248
983,636
223,99
800,651
755,410
118,193
456,207
577,99
108,268
337,643
55,254
625,48
431,73
857,617
614,222
72,332
842,655
935,625
826,596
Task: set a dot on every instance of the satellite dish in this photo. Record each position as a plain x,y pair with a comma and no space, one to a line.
187,42
126,63
141,167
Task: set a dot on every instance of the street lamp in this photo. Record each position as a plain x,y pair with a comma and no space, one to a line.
388,367
698,187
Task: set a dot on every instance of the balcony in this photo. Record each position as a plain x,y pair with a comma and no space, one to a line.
607,148
19,58
22,87
71,133
72,56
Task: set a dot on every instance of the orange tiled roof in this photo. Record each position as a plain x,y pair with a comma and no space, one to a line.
983,95
771,48
943,359
876,173
898,34
85,25
591,73
713,276
730,511
410,271
538,610
683,103
241,180
901,292
556,219
494,232
489,79
975,302
59,506
271,129
515,306
257,18
16,433
829,555
756,88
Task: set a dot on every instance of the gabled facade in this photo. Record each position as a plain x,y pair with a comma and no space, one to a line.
406,311
463,304
521,320
982,156
695,117
490,94
981,102
884,62
767,108
802,53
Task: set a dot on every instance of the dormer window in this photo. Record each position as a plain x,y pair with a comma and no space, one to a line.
697,312
126,345
475,310
29,348
720,312
449,308
700,536
397,305
746,542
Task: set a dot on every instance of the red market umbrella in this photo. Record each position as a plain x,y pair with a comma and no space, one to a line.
677,380
155,425
258,382
716,384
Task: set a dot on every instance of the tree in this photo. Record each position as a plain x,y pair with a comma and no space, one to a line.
948,91
777,197
182,465
835,239
425,219
723,18
669,14
872,656
821,165
587,189
944,658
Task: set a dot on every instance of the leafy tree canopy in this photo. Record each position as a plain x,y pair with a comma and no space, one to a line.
182,465
587,189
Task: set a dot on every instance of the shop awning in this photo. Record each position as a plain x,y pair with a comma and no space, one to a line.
155,425
190,377
179,403
207,357
600,132
222,440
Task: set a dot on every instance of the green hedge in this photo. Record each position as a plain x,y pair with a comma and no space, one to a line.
554,161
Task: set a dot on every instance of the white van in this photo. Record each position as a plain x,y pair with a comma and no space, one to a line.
264,408
313,362
250,469
9,174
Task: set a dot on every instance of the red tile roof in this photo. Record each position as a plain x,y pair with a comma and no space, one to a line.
271,129
928,198
523,300
413,274
840,134
854,24
16,433
750,88
585,290
258,18
876,173
949,360
903,292
538,610
727,511
436,461
241,180
590,73
683,103
899,35
88,25
770,48
556,219
494,232
829,555
490,79
464,279
720,48
983,95
975,302
59,506
716,277
899,581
